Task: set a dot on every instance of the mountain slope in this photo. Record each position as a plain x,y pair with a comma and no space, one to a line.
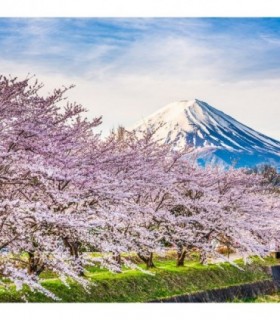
216,136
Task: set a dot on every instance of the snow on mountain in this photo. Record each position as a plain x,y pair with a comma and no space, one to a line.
216,136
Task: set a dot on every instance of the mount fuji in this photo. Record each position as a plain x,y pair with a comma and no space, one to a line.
216,137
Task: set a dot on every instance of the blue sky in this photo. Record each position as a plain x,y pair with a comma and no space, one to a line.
127,68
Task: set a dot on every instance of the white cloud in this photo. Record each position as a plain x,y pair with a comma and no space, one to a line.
125,83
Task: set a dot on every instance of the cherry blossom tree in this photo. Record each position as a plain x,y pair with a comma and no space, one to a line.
228,207
42,175
65,192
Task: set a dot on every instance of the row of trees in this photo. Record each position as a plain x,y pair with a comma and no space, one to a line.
65,191
269,173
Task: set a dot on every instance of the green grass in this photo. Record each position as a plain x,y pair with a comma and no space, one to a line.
266,298
275,298
135,286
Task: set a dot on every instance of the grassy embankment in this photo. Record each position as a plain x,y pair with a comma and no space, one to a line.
267,298
136,286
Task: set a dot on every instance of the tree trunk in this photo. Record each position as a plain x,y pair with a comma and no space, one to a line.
228,251
148,259
74,247
181,254
150,263
35,264
117,257
203,257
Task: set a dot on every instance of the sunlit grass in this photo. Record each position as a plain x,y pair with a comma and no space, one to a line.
135,286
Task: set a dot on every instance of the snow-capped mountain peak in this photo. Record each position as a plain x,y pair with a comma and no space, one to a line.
214,134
